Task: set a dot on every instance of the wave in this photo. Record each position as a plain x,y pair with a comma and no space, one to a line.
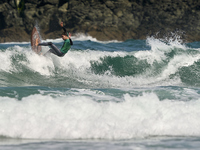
99,114
162,64
20,66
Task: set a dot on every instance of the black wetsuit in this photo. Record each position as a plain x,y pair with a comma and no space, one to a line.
66,46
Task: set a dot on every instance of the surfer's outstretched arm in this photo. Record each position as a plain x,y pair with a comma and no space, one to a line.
65,31
68,34
61,24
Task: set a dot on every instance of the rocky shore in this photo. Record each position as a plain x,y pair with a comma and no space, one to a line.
103,19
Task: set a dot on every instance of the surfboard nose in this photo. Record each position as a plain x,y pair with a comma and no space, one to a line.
35,40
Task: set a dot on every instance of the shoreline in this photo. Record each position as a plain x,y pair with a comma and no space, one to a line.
85,37
76,37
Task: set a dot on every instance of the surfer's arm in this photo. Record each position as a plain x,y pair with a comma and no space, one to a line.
71,43
64,29
61,24
68,34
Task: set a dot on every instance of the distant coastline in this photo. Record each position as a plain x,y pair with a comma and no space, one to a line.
102,19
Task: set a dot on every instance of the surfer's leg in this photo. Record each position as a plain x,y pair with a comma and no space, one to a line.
56,51
45,44
53,49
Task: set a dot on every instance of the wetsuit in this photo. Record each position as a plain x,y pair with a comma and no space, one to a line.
59,52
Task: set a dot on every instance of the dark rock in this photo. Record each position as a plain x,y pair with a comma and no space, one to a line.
3,1
103,19
34,1
63,8
12,3
110,4
19,34
30,6
54,2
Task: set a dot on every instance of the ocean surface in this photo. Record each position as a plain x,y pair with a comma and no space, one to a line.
130,95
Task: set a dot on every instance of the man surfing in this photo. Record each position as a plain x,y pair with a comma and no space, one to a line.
66,45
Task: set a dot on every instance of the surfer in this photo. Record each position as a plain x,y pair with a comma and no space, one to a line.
66,45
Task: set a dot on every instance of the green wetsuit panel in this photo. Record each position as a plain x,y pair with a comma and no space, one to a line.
66,46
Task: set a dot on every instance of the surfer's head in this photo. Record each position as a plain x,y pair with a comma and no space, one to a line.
65,35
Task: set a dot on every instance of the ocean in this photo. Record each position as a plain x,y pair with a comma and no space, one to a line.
120,95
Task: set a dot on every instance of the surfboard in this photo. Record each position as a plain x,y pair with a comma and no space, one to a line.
35,36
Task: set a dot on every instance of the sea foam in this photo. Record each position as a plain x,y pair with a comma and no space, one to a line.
81,116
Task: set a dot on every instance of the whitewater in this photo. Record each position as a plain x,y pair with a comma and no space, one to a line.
134,94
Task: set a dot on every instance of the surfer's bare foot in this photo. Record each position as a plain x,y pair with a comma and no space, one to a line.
36,42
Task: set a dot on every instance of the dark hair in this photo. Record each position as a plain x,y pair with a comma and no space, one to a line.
65,33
